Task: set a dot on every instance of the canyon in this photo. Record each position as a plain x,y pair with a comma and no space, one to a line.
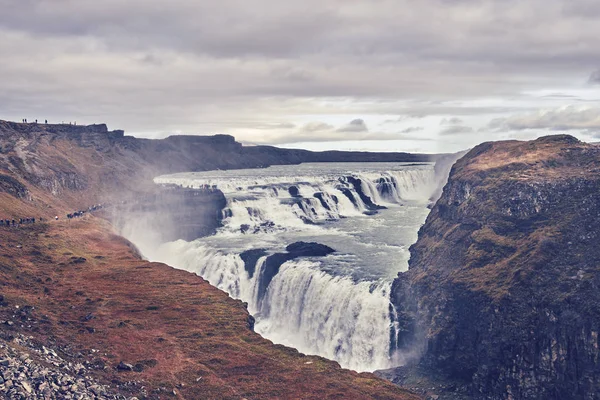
500,300
137,328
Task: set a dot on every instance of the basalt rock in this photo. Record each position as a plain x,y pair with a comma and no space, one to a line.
250,258
502,295
295,250
309,249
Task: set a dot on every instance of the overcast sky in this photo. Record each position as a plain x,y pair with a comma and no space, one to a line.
402,75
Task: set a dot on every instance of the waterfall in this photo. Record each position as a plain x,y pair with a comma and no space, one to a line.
331,316
310,303
274,203
303,307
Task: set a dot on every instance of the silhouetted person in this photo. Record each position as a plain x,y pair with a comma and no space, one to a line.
36,121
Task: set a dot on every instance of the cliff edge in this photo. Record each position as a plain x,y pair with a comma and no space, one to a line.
502,296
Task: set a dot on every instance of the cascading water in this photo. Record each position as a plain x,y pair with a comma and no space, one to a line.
336,306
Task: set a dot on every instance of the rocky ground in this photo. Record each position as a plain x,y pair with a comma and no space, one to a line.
32,371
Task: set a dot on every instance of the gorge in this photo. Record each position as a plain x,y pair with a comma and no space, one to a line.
496,299
335,306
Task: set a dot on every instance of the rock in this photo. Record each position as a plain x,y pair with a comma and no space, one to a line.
494,277
88,317
294,191
250,258
124,367
26,386
250,322
309,249
139,367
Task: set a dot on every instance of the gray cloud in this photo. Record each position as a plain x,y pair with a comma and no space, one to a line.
412,129
356,125
276,126
451,121
456,130
317,131
563,119
317,127
595,78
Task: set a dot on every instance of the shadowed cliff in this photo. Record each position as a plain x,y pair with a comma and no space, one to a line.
502,297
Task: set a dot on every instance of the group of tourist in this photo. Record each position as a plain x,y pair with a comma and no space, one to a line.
20,221
25,221
209,188
81,213
24,120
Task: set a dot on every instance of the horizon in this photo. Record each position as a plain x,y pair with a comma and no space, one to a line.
298,148
433,77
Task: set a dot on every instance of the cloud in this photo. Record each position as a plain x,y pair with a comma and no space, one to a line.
276,126
317,127
412,129
456,130
562,119
356,125
355,130
595,78
202,67
451,121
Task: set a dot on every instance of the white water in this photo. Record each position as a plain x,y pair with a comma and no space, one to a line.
335,306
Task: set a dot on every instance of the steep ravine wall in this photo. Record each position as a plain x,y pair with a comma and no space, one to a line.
503,291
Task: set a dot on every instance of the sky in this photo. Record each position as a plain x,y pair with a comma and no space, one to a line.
405,75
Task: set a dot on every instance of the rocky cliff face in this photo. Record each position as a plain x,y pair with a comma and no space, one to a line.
171,213
503,291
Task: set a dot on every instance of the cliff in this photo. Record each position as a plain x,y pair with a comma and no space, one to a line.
178,153
82,314
502,296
